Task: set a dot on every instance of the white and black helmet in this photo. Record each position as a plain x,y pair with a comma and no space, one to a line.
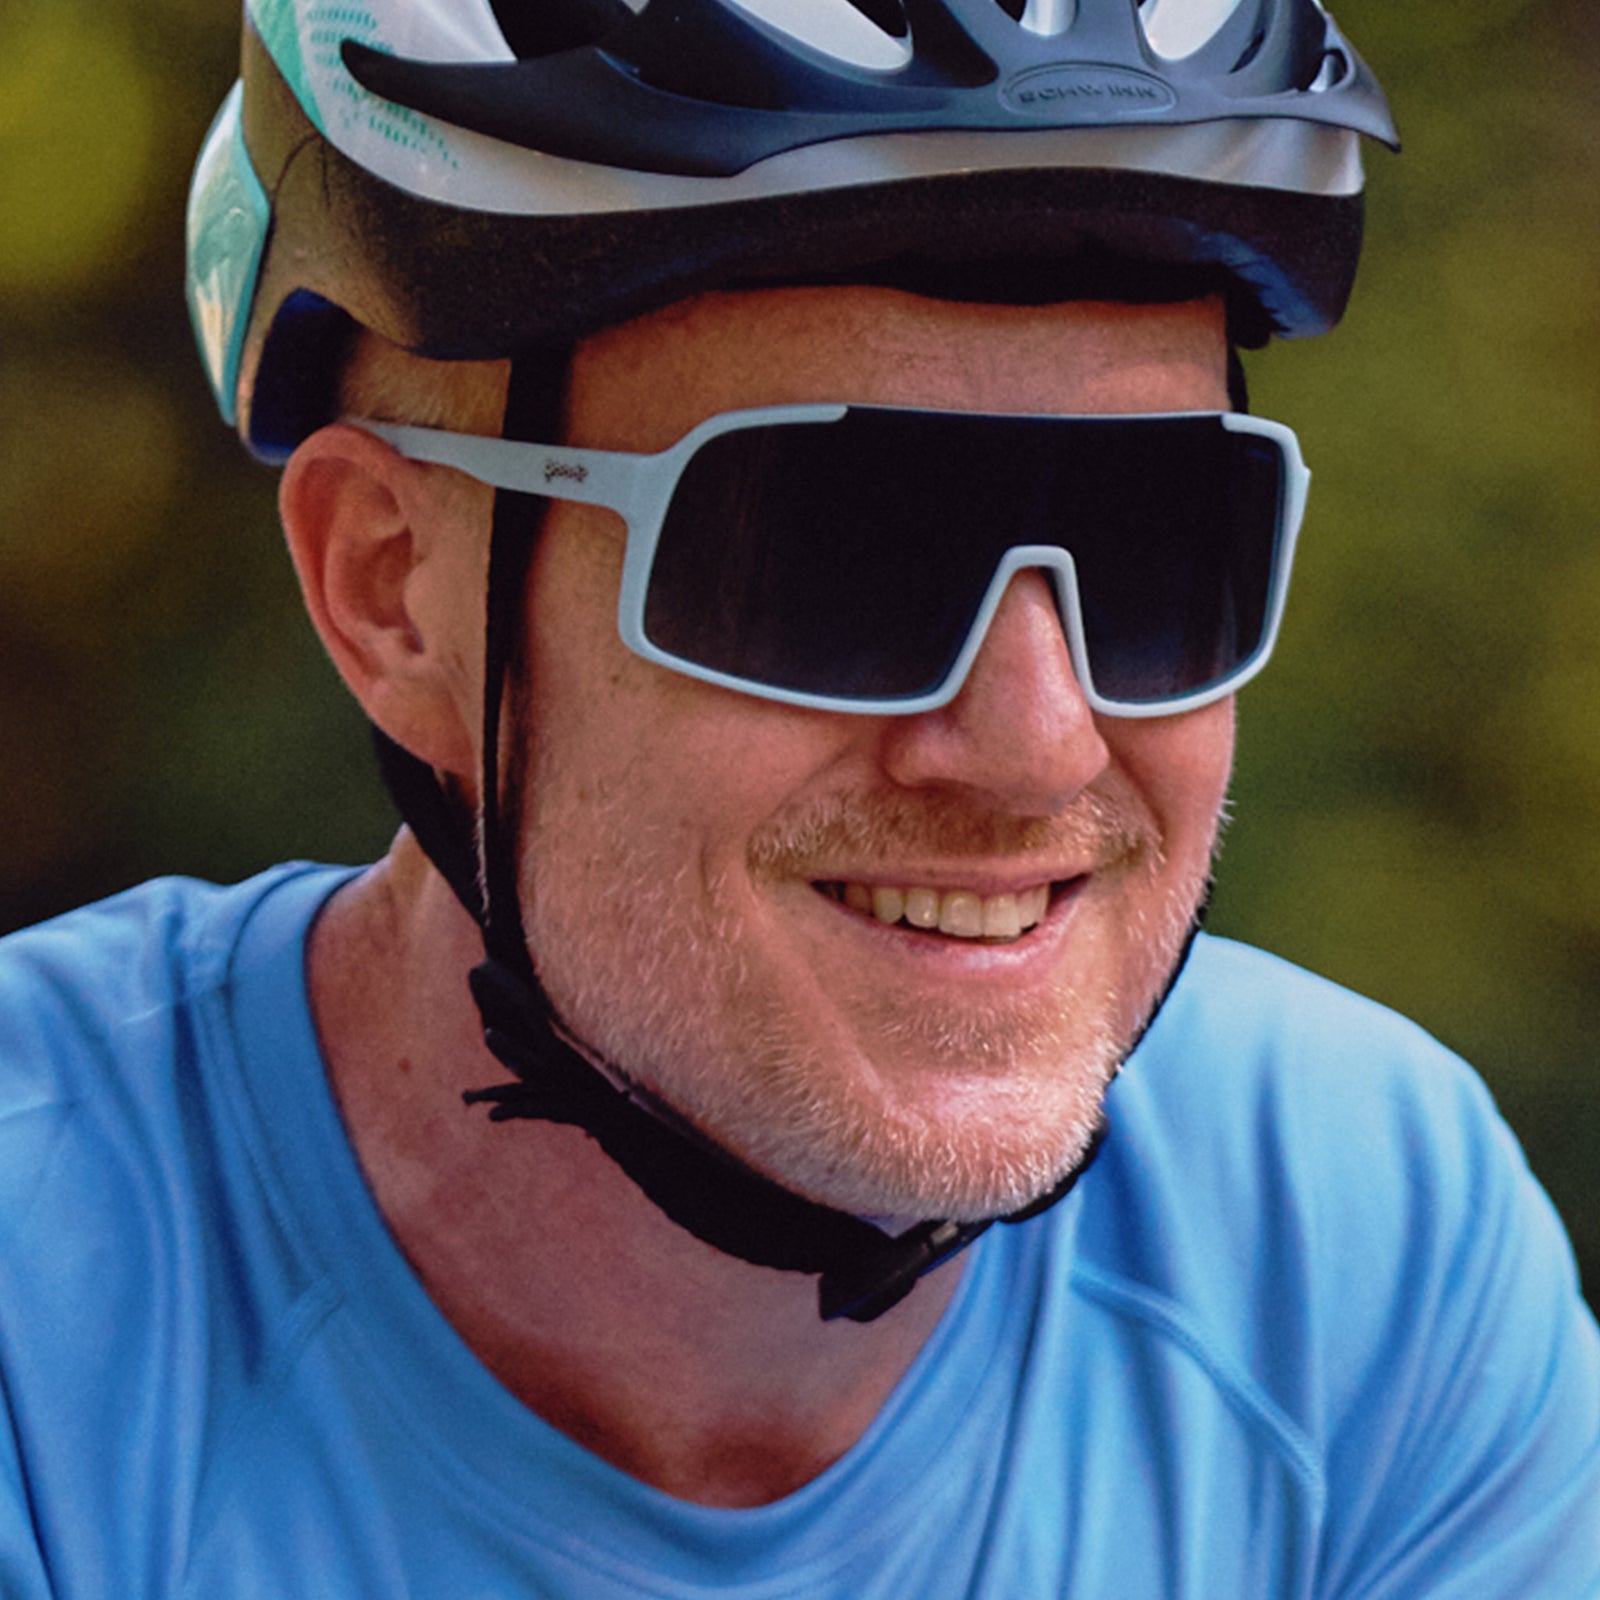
470,178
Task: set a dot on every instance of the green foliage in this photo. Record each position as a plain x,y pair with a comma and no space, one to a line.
1418,799
68,201
164,704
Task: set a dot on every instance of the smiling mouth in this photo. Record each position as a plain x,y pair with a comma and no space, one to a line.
954,913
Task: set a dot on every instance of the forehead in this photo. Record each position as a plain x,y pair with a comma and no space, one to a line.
642,385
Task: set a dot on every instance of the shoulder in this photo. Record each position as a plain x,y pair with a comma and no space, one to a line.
1235,996
102,1016
109,1017
1277,1128
1320,1203
1260,1070
125,1197
71,989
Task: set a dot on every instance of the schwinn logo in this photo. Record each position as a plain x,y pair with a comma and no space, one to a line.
1057,92
570,470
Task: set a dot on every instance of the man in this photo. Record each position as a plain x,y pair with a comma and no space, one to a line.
836,451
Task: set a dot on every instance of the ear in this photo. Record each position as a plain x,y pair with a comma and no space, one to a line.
392,558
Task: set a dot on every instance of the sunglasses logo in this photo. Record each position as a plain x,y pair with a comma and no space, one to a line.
570,470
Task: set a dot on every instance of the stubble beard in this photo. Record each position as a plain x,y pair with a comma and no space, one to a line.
964,1110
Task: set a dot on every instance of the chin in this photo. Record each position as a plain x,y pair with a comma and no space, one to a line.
874,1098
960,1173
962,1112
960,1123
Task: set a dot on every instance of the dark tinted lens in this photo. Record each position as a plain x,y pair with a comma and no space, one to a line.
816,557
1175,552
850,558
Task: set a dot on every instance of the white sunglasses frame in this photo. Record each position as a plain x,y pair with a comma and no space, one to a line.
639,489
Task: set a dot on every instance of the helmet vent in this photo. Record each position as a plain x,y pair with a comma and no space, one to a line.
887,14
858,33
1178,29
1251,50
535,28
1334,70
1048,17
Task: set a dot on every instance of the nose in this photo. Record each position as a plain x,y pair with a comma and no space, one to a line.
1020,736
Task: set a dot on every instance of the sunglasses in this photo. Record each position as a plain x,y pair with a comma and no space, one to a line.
851,558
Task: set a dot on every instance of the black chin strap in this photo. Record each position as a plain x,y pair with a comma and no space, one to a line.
862,1271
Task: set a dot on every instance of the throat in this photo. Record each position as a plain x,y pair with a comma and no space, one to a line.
731,1423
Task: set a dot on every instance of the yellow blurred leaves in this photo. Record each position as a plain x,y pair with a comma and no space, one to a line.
1388,898
1542,752
77,134
1387,34
91,453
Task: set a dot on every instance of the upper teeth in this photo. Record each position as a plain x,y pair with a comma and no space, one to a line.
959,912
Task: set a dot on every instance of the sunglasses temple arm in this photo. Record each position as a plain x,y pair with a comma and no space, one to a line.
558,472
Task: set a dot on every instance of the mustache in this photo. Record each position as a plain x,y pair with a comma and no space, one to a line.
1100,828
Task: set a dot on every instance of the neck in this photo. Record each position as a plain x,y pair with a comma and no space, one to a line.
698,1373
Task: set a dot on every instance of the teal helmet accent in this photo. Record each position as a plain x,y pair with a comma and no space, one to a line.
229,217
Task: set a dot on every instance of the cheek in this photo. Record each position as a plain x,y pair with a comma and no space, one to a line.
678,756
590,704
573,581
1181,766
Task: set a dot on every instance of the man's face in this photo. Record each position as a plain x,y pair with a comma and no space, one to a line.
712,881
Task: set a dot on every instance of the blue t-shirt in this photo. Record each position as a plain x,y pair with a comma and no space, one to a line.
1308,1328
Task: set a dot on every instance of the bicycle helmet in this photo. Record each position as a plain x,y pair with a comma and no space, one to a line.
475,179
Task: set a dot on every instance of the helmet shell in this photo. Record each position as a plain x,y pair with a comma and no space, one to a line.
409,171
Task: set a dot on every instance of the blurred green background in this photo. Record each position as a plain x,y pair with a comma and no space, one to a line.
1418,801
